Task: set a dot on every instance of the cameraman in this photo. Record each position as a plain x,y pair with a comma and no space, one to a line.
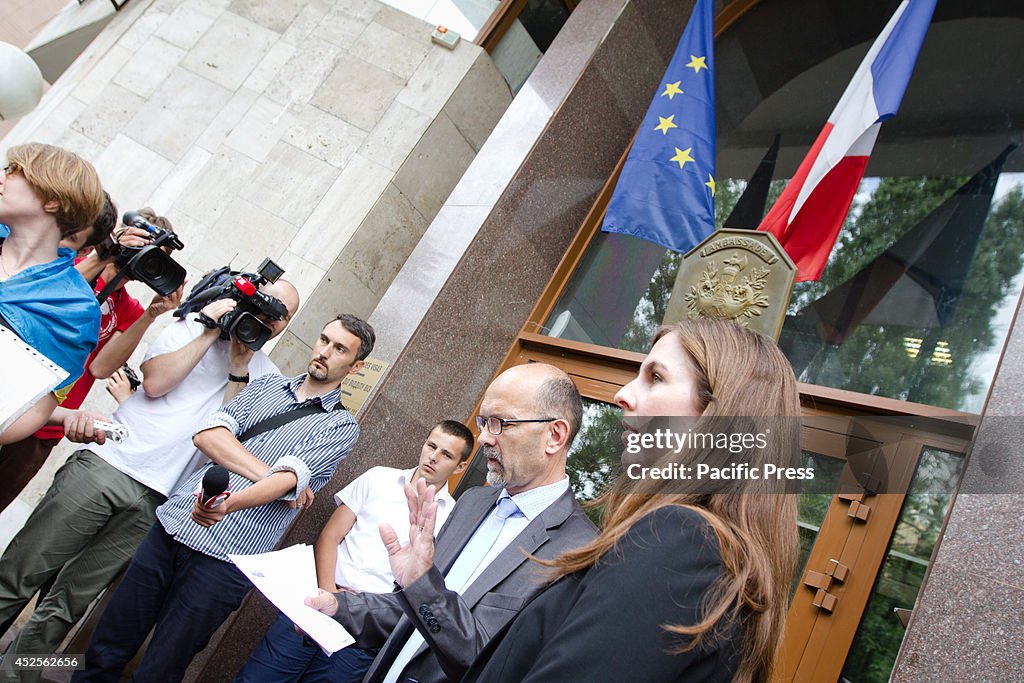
46,193
122,325
102,502
96,251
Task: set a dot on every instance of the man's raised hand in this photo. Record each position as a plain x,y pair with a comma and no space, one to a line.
412,561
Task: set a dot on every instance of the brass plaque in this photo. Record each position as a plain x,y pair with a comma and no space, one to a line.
357,387
739,275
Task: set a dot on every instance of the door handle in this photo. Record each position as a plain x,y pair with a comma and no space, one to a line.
858,510
825,601
822,582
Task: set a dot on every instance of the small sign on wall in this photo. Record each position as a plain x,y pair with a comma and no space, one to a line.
356,387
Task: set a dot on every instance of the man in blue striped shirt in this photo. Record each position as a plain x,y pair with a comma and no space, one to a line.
181,580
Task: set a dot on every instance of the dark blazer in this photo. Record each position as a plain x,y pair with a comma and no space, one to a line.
605,624
456,627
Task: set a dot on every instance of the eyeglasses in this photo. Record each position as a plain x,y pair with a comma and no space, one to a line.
12,167
494,425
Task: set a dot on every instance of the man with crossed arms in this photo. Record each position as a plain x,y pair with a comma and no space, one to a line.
451,603
181,582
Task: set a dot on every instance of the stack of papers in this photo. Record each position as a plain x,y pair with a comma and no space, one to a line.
287,577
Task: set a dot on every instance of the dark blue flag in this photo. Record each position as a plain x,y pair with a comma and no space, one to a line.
666,193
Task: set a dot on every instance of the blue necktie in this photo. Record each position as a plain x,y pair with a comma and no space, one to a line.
479,545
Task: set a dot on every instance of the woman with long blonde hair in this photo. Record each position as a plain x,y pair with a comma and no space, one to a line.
687,581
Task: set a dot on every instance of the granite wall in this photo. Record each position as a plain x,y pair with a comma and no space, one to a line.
968,623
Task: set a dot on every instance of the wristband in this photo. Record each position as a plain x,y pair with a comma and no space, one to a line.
242,379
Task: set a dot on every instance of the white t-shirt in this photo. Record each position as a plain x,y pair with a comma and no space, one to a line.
377,495
159,449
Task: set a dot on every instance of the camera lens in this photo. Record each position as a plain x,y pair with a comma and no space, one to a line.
157,270
149,267
248,330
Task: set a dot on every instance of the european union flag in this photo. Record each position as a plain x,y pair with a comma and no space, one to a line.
666,193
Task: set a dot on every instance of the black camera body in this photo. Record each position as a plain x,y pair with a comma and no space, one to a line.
133,379
240,323
150,264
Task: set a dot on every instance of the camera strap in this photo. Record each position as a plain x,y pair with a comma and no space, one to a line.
110,287
281,419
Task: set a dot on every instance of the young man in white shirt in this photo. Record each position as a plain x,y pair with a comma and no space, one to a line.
349,554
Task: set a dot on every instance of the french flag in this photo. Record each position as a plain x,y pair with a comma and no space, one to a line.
808,215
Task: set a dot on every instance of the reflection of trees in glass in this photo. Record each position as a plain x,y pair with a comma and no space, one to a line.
597,452
873,226
880,633
874,358
650,310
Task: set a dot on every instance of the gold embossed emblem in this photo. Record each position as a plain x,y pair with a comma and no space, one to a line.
728,293
738,275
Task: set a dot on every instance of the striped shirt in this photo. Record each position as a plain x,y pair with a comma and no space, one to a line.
311,447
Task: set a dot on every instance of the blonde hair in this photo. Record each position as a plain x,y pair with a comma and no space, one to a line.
739,373
55,174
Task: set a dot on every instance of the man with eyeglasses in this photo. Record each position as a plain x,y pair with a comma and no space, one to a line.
46,193
445,612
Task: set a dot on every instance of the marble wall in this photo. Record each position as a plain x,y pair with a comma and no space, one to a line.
310,131
324,134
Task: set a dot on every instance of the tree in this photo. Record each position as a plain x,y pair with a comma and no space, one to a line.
875,358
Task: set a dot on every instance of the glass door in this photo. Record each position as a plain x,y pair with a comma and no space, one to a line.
869,552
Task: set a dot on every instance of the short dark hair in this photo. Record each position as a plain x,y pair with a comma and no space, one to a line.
104,223
459,431
559,397
361,329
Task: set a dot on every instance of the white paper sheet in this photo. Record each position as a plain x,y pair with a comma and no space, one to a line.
27,376
287,577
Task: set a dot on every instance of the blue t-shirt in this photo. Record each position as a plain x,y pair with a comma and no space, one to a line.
53,309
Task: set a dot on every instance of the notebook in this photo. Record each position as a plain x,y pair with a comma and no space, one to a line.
25,375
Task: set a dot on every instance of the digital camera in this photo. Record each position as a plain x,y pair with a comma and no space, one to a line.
240,323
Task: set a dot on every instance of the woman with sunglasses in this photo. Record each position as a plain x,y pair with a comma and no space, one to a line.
46,193
685,582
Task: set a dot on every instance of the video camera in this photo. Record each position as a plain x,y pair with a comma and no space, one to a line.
150,264
240,322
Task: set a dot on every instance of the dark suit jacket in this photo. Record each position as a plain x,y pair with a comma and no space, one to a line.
605,624
456,627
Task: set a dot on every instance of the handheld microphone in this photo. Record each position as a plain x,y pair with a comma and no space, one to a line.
135,219
215,487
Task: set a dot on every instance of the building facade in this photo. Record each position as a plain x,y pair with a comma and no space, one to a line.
496,195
